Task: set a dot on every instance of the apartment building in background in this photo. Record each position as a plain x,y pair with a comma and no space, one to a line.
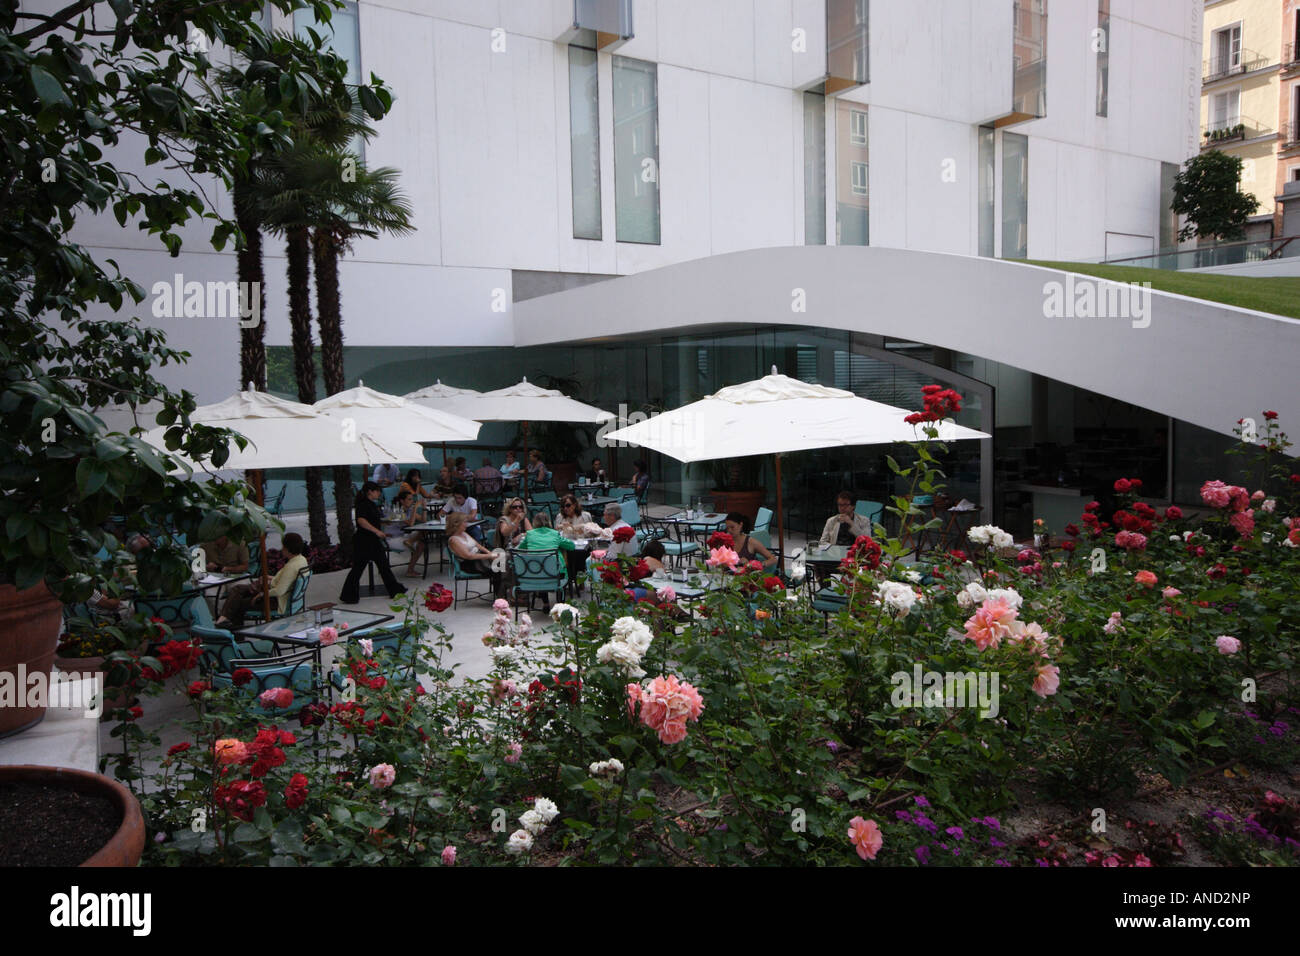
1250,104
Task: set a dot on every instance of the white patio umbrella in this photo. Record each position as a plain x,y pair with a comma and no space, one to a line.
284,434
773,415
521,403
392,417
434,396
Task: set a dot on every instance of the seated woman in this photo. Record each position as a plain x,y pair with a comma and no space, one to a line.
513,524
641,479
572,518
413,484
536,468
747,548
412,510
510,470
472,555
545,538
653,555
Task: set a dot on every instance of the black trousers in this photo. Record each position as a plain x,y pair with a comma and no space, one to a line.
367,548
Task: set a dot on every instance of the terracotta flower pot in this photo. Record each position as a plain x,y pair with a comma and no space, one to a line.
126,845
29,633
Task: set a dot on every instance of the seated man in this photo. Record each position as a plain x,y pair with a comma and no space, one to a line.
487,479
385,475
462,503
845,526
597,473
244,596
224,556
614,521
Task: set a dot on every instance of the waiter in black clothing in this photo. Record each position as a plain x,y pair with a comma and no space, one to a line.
370,544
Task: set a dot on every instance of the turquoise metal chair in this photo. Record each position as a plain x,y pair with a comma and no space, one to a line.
675,546
538,572
296,671
871,510
762,530
622,492
222,650
296,604
181,612
276,504
459,573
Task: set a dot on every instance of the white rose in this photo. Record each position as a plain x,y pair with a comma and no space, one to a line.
1010,595
547,808
503,654
532,821
521,841
1268,505
557,612
1002,540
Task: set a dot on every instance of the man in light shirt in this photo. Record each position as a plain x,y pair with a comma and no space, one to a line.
385,475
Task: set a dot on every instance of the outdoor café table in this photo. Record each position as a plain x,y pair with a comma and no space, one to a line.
433,531
701,524
824,561
215,581
594,503
293,630
578,486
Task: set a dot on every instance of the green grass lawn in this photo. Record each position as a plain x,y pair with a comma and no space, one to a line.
1279,295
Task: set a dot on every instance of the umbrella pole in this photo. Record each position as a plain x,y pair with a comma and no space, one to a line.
780,517
266,596
525,426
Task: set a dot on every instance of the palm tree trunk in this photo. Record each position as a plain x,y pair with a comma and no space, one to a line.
297,248
248,263
325,260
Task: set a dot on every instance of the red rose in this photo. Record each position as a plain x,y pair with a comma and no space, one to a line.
959,555
1072,530
241,676
177,749
720,539
136,713
1173,513
1269,416
639,570
1295,479
1123,486
611,574
438,598
177,656
1135,483
197,688
241,797
773,583
864,552
1092,506
624,534
1068,545
1218,571
295,794
287,738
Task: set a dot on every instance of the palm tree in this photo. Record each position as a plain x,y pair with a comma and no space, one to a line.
367,203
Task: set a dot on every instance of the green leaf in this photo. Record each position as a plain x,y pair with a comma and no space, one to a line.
47,87
91,476
161,96
18,526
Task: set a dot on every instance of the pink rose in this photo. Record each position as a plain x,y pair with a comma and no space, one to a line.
1145,578
1257,496
1244,522
1215,494
277,697
516,751
1268,505
367,647
866,837
1226,644
599,555
723,557
382,776
666,595
328,635
1170,593
1047,680
449,856
991,623
500,604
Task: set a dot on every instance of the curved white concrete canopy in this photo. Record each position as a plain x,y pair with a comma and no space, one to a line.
1197,361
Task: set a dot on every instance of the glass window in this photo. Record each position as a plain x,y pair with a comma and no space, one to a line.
859,179
1015,196
584,142
636,151
986,191
1029,56
814,169
1168,218
847,33
1225,109
852,162
341,35
1103,57
858,127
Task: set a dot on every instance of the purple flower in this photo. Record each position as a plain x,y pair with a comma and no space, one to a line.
921,801
832,746
722,827
955,832
994,841
992,822
903,815
1276,731
956,852
1041,862
925,823
923,855
1001,863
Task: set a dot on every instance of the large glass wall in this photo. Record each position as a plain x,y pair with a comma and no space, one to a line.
584,142
1015,196
814,169
636,151
852,174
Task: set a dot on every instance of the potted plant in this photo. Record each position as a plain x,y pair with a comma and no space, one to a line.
54,816
84,651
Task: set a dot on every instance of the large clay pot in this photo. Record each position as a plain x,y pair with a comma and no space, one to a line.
29,632
126,845
746,503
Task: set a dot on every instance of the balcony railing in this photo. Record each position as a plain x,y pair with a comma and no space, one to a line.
1219,134
1290,56
1235,64
1288,135
1221,254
